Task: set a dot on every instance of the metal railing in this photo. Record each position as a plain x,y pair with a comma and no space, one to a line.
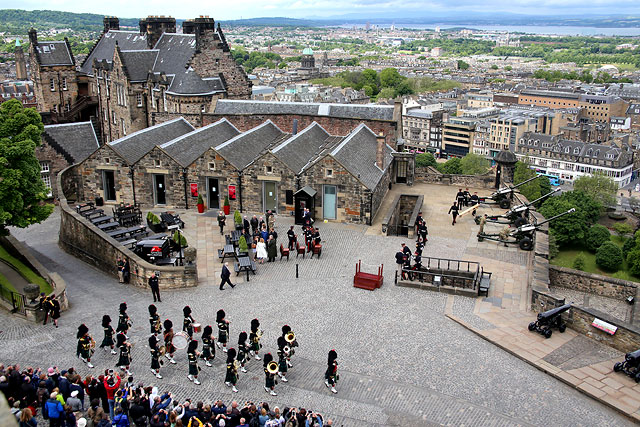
17,300
445,272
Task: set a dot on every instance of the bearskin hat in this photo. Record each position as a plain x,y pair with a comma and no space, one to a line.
106,320
123,307
82,330
208,330
286,329
220,315
242,338
281,342
186,311
254,325
153,341
193,344
332,357
231,355
267,358
120,339
153,309
168,324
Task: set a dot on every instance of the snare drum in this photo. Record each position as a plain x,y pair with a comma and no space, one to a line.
180,340
197,328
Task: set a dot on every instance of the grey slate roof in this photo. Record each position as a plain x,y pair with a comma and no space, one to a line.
175,51
243,149
357,153
138,63
78,140
187,148
189,83
578,149
355,111
134,146
633,109
54,53
298,150
106,45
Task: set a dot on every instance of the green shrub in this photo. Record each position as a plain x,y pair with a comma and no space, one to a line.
596,236
623,228
425,159
200,199
553,246
629,244
579,262
237,218
609,256
179,238
153,218
226,201
453,166
242,244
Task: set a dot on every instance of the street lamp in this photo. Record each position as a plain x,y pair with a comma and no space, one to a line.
177,227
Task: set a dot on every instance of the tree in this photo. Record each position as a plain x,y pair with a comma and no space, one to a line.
579,262
508,68
623,228
545,185
370,77
387,93
452,166
599,186
473,164
523,172
462,65
609,256
389,77
425,159
568,228
22,192
591,209
596,236
494,67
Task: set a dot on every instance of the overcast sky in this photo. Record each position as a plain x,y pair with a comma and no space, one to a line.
236,9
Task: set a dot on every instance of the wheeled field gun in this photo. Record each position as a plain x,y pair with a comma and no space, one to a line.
522,236
503,196
517,214
630,366
548,319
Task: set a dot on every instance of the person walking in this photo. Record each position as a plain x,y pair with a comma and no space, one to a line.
222,220
155,287
225,275
453,210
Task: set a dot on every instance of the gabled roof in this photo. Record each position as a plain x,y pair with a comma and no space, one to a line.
298,150
54,53
175,51
187,148
357,154
74,141
633,109
134,146
243,149
190,83
138,63
106,45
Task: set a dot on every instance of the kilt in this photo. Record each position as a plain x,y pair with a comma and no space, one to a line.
231,377
282,366
222,337
155,363
206,352
124,360
193,368
270,381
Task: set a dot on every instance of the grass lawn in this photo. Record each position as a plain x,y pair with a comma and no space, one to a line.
26,272
6,284
568,254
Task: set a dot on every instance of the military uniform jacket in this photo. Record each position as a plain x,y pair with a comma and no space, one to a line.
187,325
155,358
255,341
243,350
223,332
282,361
125,356
84,346
107,341
168,338
154,321
123,322
232,373
208,349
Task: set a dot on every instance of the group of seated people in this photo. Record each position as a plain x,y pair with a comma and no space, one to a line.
64,399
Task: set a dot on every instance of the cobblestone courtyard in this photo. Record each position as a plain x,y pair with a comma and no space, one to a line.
402,361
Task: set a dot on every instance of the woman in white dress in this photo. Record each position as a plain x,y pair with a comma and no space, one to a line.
262,251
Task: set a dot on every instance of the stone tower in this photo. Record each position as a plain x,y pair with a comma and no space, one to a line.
307,60
21,63
154,26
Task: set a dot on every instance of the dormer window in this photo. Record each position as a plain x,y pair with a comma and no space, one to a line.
212,166
576,150
107,160
566,150
328,173
157,163
268,169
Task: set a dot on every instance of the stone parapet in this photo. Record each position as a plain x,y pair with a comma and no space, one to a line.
626,338
430,175
591,283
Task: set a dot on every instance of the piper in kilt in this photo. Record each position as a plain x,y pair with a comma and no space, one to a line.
125,353
223,329
270,377
283,353
243,351
254,338
154,320
168,338
187,323
123,319
155,356
288,333
231,379
83,351
331,374
208,348
109,332
192,355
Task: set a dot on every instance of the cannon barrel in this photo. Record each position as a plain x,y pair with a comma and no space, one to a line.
516,209
550,314
633,358
572,210
525,181
510,189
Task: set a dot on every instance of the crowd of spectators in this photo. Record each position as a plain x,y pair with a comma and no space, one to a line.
62,398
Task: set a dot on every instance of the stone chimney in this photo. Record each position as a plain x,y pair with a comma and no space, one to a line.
33,36
111,23
203,27
381,141
155,26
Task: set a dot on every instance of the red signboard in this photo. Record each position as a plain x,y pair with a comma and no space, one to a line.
232,192
194,190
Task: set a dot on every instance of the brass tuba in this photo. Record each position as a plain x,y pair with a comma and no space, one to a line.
290,337
272,368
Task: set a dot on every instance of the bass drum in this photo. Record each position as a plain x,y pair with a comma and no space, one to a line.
180,340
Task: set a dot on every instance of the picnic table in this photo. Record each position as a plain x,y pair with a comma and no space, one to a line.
227,252
92,213
245,263
101,220
235,237
108,225
118,233
129,219
166,261
84,207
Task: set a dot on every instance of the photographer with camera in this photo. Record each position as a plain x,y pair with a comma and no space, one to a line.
111,383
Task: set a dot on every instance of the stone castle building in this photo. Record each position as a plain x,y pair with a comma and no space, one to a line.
129,75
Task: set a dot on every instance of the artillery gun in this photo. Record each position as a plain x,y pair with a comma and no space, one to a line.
516,215
548,319
503,196
522,236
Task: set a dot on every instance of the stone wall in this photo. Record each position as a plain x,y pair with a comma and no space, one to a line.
254,177
430,175
404,209
82,239
626,338
158,162
56,161
90,176
591,283
42,77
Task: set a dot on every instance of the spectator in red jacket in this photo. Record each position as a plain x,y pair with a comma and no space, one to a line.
111,385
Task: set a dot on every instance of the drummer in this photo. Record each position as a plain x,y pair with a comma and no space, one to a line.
168,340
187,324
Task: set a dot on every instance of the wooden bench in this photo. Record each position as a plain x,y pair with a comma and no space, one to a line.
485,283
300,250
284,252
245,263
316,249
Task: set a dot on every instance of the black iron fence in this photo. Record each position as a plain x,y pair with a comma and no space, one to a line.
17,300
445,272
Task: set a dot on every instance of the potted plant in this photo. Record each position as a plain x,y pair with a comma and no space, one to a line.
200,204
237,219
243,249
154,223
226,206
178,241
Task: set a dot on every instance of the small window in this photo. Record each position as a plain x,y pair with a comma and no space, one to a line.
107,160
115,121
52,85
268,169
156,163
64,84
212,166
328,173
139,99
44,167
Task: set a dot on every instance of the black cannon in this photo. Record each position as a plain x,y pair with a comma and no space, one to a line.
503,196
630,366
517,215
549,319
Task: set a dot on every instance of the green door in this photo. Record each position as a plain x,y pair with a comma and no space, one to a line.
270,196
